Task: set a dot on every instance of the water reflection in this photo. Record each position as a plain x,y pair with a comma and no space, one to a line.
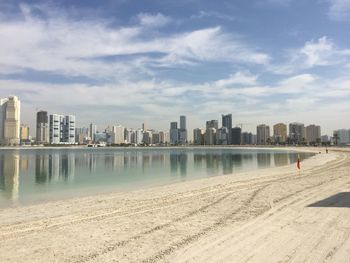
55,169
9,176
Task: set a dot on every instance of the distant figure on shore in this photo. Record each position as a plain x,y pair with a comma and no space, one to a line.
326,150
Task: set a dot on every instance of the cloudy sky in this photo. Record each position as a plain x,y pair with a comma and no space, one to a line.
128,61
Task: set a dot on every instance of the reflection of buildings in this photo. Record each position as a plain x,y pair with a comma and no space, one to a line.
280,159
54,167
264,159
9,173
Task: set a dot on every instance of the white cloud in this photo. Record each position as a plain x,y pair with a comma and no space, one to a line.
80,47
339,9
314,53
149,20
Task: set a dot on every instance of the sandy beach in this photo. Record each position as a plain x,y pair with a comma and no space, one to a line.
269,215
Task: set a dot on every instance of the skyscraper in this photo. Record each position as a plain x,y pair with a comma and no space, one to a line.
42,127
198,136
212,124
313,133
62,129
236,136
174,133
24,134
10,120
2,119
297,132
118,134
263,134
92,131
227,122
280,133
182,130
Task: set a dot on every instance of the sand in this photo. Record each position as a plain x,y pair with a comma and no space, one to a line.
270,215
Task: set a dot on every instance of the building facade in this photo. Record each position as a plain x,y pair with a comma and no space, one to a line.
227,122
62,129
341,137
313,133
297,133
198,136
174,133
183,130
42,127
280,133
236,136
262,134
10,113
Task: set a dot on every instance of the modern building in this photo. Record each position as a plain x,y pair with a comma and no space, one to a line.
280,133
212,124
222,136
198,136
341,137
262,134
227,122
92,131
247,138
69,129
174,133
147,137
24,134
236,136
155,138
163,137
10,113
183,130
138,136
210,136
313,133
82,135
62,129
297,133
117,135
42,127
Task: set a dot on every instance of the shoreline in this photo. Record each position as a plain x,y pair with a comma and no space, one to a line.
191,221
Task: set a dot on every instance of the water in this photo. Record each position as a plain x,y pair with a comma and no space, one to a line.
35,175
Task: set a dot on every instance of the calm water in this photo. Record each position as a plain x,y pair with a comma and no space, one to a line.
34,175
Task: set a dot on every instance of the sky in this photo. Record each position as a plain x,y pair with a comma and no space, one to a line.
128,62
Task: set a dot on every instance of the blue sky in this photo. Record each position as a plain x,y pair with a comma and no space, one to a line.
127,62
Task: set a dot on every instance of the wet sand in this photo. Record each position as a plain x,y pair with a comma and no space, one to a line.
269,215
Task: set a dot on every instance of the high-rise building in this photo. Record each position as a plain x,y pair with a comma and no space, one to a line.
174,133
183,130
313,133
341,137
297,133
92,131
81,135
222,136
247,138
210,136
155,138
42,127
69,129
147,137
198,136
3,103
24,134
227,122
62,129
263,134
117,134
280,133
212,124
144,126
236,135
163,137
10,111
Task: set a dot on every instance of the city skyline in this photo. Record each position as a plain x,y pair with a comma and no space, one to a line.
118,62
